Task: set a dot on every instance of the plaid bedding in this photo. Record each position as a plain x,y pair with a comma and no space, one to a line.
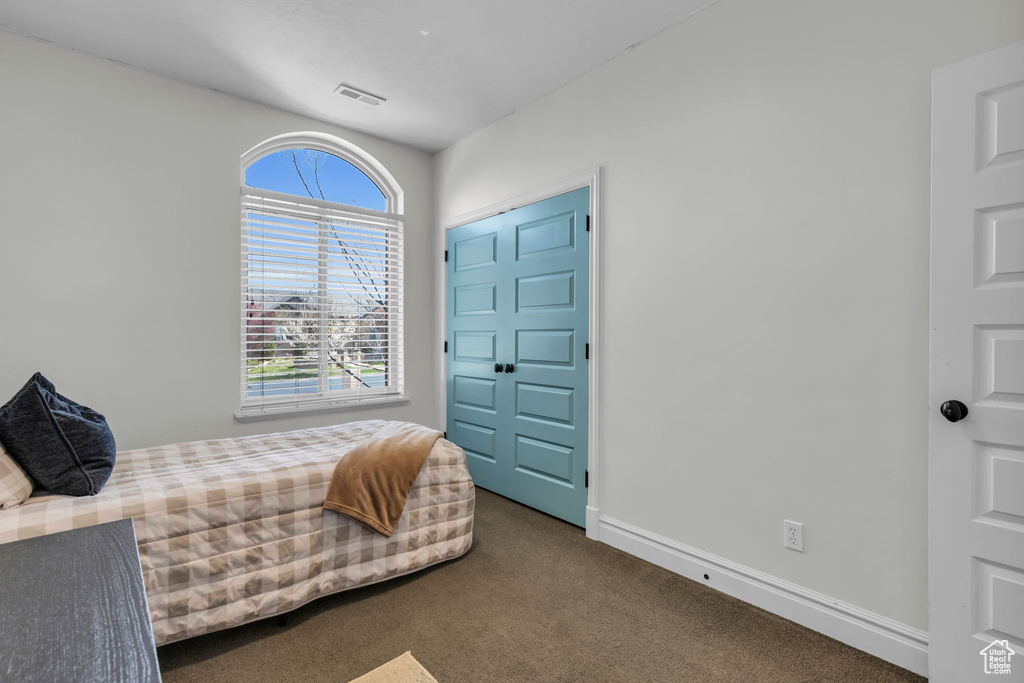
231,530
15,486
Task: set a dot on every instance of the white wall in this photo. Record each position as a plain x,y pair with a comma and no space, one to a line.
765,208
119,245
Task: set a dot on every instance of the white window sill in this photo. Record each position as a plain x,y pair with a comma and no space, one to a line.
272,412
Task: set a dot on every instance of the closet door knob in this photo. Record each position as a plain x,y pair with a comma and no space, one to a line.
497,367
954,411
509,367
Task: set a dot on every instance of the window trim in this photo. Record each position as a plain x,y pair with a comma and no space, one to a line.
394,201
271,412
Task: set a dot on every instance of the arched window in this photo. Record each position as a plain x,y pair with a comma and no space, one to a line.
321,277
316,174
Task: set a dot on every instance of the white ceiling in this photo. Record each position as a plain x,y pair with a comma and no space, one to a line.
482,59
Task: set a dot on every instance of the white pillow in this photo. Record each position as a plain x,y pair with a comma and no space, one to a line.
15,486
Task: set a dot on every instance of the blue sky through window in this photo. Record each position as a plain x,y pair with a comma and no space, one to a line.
339,181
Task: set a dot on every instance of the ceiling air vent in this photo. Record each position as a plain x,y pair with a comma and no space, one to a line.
359,95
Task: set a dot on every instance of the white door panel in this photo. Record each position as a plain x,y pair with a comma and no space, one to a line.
976,479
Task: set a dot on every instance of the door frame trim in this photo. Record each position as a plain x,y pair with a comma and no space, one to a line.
589,178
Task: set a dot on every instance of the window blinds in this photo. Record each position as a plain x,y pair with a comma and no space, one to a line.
321,303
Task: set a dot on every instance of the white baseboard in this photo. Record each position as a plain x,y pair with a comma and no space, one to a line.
593,519
867,631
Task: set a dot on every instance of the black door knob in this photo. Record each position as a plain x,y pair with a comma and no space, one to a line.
497,367
954,411
509,367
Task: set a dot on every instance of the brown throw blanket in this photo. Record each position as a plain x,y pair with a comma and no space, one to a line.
372,481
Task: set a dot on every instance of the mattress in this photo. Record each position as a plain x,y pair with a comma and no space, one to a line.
231,530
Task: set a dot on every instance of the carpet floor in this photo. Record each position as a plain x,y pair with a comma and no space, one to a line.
532,601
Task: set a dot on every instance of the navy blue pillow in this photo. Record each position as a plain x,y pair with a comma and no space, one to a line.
66,447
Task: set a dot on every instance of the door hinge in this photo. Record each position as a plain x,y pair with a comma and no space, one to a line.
588,222
444,435
586,479
446,346
586,352
446,256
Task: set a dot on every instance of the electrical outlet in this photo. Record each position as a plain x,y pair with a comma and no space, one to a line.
793,537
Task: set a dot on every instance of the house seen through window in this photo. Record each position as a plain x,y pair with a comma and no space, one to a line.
321,283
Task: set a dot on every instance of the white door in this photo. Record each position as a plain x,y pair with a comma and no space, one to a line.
976,480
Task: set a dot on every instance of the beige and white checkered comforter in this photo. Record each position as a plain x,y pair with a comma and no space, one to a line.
231,530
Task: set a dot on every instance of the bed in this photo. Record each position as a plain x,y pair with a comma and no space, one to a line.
231,530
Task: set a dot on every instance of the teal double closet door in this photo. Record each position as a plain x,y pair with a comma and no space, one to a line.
517,320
